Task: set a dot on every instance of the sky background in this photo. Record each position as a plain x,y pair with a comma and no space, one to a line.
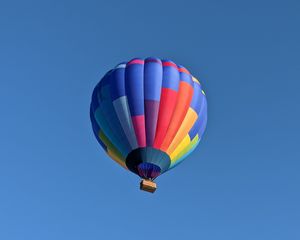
242,182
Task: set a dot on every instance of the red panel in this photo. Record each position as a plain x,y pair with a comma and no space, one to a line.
139,128
166,108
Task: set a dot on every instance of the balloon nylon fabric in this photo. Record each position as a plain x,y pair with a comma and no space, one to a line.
148,111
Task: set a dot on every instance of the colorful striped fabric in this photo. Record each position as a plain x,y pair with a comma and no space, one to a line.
148,115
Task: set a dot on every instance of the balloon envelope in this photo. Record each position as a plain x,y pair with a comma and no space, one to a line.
148,115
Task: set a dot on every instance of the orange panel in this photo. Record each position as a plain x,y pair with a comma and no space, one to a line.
184,99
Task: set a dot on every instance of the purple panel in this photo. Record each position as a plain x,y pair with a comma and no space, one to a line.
151,115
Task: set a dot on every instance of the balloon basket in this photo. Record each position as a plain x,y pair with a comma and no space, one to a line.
148,186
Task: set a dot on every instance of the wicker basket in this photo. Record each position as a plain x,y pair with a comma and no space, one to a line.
148,186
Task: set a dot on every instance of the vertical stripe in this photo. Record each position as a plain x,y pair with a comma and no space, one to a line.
151,115
152,91
123,113
117,82
139,128
120,103
168,98
134,86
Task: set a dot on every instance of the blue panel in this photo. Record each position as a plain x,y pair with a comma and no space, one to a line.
203,117
118,82
170,77
106,79
152,79
134,85
94,102
186,78
95,125
201,120
198,98
195,129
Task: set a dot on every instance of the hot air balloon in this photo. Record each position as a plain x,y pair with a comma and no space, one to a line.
148,115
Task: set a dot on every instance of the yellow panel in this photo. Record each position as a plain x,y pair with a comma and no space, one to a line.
185,127
185,150
184,143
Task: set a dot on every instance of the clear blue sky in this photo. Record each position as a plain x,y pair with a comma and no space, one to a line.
242,182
